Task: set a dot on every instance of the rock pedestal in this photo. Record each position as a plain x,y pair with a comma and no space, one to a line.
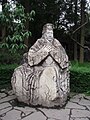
43,77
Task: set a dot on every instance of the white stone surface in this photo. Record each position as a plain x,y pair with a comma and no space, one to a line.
25,110
79,96
48,90
5,110
35,116
8,98
88,106
74,106
80,113
84,102
62,114
12,115
43,77
87,97
5,105
81,119
11,92
2,95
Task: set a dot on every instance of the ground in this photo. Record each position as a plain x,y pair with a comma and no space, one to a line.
77,108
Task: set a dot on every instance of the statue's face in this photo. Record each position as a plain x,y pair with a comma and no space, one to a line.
49,33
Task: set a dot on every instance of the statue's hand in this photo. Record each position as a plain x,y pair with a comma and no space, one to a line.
48,48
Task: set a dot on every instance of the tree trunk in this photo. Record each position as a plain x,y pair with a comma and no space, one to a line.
82,31
27,10
75,37
3,27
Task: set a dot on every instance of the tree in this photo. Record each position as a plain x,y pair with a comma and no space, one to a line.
14,20
75,36
3,27
82,42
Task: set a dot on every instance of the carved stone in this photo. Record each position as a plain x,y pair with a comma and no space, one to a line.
43,77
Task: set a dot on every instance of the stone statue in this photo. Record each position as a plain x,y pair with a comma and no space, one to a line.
43,77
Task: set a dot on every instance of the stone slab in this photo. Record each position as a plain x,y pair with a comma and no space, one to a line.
12,115
84,102
79,96
81,119
74,106
7,98
25,110
11,92
80,113
62,114
4,111
88,107
2,95
87,97
5,105
35,116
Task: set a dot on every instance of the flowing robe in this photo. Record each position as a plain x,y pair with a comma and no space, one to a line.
44,78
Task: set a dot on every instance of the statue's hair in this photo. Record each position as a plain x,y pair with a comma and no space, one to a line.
45,27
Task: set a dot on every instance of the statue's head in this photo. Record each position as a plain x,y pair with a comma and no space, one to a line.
48,30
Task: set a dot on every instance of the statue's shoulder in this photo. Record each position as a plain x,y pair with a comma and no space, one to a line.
56,42
39,41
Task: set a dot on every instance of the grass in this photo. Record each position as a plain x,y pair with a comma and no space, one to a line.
80,67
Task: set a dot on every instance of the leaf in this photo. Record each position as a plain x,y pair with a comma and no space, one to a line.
4,45
32,13
22,46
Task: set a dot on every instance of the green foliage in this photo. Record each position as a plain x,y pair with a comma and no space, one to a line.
7,57
14,20
80,77
6,72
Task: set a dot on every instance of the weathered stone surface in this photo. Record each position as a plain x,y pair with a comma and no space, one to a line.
2,95
12,115
62,114
81,119
84,102
11,92
79,96
74,105
87,97
88,106
4,105
5,110
8,98
80,113
43,78
35,116
25,110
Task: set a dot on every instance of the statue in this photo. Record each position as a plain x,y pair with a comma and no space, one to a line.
43,77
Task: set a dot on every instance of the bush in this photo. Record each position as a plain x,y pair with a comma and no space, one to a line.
79,78
10,58
6,72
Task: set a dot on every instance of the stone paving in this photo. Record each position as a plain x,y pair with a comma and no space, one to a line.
77,108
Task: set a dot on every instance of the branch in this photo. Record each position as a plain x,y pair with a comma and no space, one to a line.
81,25
84,47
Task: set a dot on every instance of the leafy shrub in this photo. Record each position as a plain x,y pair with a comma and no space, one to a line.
6,72
10,58
80,77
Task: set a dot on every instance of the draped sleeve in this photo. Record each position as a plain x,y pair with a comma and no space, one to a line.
59,54
37,52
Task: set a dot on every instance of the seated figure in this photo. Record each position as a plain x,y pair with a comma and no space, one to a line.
43,77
